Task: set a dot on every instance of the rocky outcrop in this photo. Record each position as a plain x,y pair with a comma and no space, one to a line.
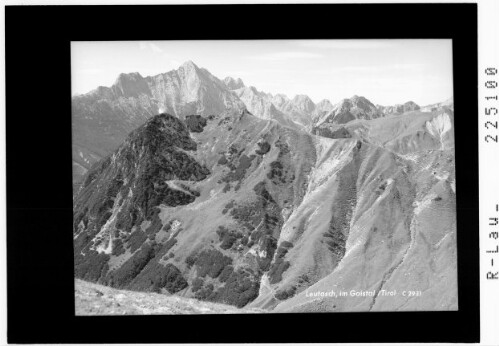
116,209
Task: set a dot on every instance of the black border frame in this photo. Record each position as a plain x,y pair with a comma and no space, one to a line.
40,283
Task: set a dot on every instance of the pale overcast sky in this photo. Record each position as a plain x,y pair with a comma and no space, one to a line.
384,71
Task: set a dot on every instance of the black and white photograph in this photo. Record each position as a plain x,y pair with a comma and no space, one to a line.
263,176
190,172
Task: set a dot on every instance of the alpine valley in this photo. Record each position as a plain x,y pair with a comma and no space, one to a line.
189,188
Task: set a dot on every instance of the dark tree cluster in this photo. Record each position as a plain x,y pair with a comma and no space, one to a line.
279,266
192,191
286,293
123,275
136,239
195,123
240,288
118,248
223,160
326,131
335,241
276,173
264,148
156,276
228,237
92,266
265,213
211,262
197,283
228,207
238,172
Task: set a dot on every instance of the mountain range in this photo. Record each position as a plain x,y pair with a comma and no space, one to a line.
104,117
208,189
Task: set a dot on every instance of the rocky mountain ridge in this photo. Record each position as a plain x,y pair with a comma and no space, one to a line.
104,117
398,108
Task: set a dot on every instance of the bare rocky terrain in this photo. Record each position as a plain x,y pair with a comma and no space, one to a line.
261,202
93,299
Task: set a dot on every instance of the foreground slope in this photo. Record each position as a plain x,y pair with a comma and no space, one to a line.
93,299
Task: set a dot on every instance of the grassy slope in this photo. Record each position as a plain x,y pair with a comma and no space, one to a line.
94,299
402,233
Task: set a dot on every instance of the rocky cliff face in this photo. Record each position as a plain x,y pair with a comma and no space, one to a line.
231,208
104,117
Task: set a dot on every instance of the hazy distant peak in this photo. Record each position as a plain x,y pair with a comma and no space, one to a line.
254,90
130,85
131,77
449,101
280,98
233,84
189,65
303,103
410,103
324,102
449,104
302,98
355,101
408,106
